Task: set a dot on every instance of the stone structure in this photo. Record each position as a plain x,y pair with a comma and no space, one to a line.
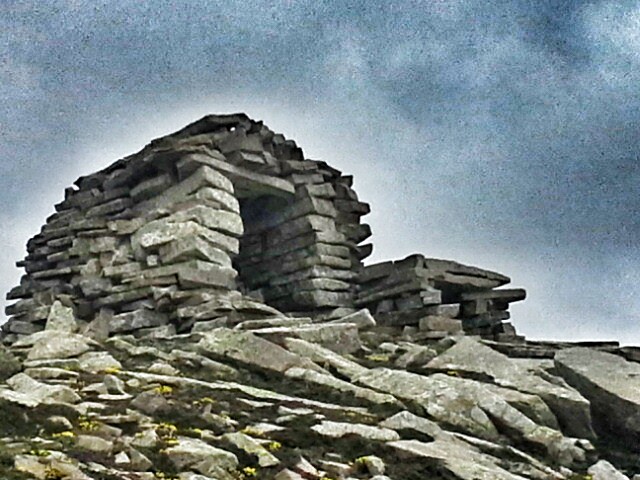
226,220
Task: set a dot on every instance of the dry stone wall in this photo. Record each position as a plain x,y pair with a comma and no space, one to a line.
439,297
226,220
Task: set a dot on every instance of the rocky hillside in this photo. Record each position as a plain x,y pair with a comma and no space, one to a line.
201,310
284,398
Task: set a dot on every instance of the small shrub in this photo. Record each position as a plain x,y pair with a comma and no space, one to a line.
274,446
252,432
250,472
164,390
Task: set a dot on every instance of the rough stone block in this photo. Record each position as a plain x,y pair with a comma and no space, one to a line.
151,187
444,324
189,248
159,232
127,322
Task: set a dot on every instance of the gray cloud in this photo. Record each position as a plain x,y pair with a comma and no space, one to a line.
502,134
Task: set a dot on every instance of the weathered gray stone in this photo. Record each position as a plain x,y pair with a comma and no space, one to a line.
362,319
50,344
461,460
98,328
150,187
322,356
339,430
372,464
408,421
220,197
469,355
138,461
471,406
160,232
200,456
252,447
61,318
342,386
202,177
255,182
272,322
41,392
341,338
287,474
603,470
9,364
129,321
60,464
95,444
221,220
95,362
610,383
188,248
247,348
441,324
416,356
206,274
503,295
50,373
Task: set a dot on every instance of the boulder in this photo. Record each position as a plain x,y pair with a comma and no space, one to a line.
603,470
41,392
61,318
287,474
50,344
371,464
252,447
247,348
324,356
469,355
198,455
95,362
415,356
408,421
474,408
456,458
610,383
93,443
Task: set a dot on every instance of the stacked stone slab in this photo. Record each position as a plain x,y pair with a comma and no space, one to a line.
178,232
226,221
438,296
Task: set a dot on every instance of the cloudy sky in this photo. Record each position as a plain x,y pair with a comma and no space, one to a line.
503,134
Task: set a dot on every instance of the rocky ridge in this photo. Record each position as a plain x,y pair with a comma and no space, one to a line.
245,402
201,310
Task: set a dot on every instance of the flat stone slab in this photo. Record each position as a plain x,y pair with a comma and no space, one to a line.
464,461
603,470
340,429
245,347
339,337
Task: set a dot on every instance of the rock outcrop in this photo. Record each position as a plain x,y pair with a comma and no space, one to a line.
610,383
200,310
